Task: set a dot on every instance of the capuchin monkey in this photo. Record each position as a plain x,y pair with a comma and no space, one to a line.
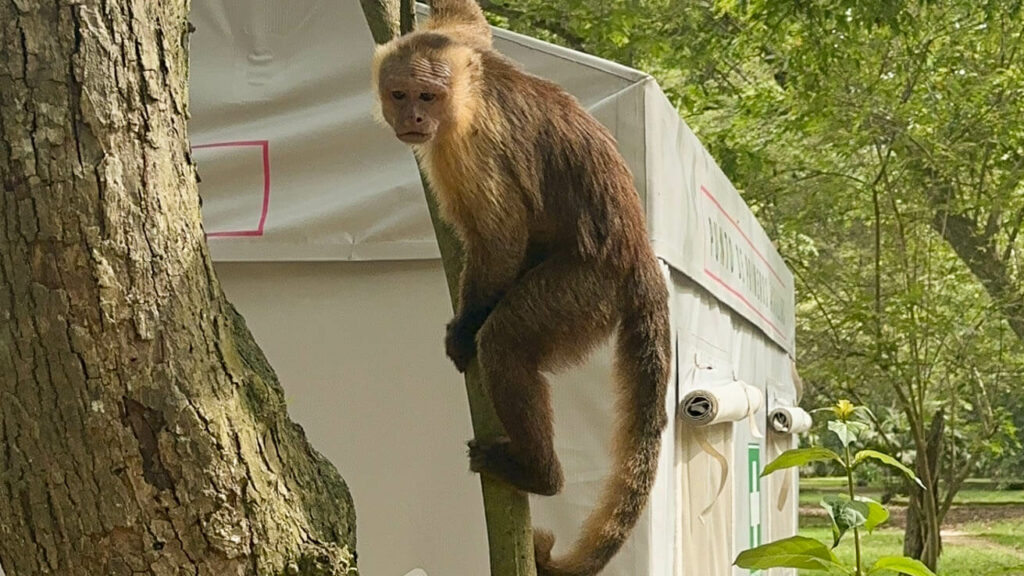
556,259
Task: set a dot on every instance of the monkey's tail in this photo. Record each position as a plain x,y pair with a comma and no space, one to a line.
642,365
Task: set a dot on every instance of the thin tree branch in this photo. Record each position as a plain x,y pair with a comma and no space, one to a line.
571,39
506,509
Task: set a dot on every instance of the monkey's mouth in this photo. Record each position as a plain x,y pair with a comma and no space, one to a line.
414,137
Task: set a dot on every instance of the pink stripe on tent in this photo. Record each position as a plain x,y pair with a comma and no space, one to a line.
740,230
743,299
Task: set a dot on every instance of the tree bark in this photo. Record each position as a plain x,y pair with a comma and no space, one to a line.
141,429
507,510
923,533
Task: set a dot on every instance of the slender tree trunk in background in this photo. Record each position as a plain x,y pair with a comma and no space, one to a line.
141,429
923,533
507,510
975,242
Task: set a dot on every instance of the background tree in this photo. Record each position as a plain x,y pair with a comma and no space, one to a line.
142,430
882,145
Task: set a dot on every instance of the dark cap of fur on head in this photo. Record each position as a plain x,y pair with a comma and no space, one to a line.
424,43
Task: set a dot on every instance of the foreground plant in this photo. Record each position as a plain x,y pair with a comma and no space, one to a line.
847,512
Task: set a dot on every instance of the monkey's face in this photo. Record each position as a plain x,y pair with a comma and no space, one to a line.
415,100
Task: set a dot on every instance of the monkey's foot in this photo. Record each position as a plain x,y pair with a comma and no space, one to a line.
496,457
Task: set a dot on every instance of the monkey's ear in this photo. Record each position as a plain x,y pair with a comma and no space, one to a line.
380,53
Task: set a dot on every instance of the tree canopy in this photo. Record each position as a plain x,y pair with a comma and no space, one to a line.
881,144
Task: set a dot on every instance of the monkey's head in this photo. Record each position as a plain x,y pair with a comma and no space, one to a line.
422,81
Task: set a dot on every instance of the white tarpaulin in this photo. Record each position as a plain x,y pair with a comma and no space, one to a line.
321,235
294,168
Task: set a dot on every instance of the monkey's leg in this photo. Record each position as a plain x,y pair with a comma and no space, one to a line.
551,318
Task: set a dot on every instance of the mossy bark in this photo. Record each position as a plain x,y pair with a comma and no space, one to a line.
141,429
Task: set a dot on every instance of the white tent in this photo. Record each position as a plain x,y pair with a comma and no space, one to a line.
321,236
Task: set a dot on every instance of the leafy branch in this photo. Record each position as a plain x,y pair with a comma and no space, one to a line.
847,512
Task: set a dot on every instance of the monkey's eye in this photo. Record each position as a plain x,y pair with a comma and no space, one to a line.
427,96
398,95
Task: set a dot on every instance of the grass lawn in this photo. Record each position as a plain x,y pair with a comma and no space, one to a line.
991,546
995,549
812,489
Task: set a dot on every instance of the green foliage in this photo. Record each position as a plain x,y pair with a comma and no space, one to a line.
847,431
900,565
889,461
846,512
1000,555
801,457
881,144
794,552
876,513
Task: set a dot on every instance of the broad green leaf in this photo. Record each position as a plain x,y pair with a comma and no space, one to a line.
848,432
900,565
845,515
876,513
889,460
795,552
799,457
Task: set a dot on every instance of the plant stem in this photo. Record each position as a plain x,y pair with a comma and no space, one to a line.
849,484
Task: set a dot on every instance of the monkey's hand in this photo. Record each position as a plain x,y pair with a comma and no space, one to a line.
485,456
460,341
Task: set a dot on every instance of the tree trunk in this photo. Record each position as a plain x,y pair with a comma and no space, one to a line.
141,429
977,246
923,533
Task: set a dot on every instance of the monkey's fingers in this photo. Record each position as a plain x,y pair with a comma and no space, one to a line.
460,345
460,355
482,453
495,458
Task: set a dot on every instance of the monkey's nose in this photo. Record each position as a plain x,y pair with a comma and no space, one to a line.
419,119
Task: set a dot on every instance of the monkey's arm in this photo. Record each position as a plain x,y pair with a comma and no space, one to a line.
491,266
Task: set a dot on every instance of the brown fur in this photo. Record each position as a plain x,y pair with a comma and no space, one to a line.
556,259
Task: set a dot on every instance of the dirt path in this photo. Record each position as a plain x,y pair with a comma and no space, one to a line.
958,538
955,519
